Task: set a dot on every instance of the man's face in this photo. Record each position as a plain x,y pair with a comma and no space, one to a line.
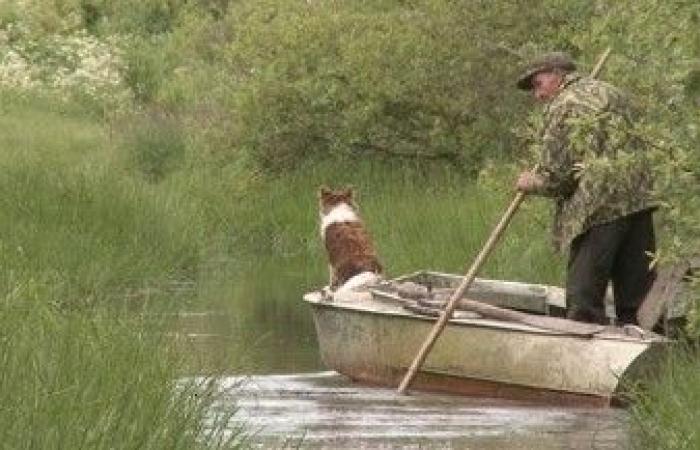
545,85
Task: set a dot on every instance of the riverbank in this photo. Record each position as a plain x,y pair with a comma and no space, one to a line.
85,255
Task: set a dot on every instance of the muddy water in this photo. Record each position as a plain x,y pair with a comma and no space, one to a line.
260,334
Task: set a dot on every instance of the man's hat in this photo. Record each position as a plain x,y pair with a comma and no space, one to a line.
543,63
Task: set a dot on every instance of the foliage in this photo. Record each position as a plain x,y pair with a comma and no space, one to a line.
666,415
305,94
657,57
74,64
76,380
293,81
387,79
70,216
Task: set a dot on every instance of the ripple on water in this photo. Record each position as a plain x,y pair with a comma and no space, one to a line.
326,410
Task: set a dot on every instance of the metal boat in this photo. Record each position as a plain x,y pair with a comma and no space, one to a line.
372,335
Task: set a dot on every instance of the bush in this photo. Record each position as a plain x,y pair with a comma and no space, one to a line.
325,80
656,56
155,142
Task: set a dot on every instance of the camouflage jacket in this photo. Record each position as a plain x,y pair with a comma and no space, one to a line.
592,165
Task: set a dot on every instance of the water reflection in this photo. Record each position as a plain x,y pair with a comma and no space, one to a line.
325,410
252,319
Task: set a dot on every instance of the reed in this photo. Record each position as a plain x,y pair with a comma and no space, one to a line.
666,414
88,257
77,380
420,219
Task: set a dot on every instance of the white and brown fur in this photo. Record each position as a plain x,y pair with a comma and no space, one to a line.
352,259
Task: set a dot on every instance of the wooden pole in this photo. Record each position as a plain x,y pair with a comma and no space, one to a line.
471,274
510,315
596,70
459,292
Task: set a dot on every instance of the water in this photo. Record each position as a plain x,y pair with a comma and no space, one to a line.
325,410
261,335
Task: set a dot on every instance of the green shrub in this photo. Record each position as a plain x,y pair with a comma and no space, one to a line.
156,144
334,79
147,66
656,50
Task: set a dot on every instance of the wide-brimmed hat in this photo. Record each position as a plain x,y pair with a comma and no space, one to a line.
545,62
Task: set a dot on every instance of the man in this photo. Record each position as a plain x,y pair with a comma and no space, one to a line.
596,171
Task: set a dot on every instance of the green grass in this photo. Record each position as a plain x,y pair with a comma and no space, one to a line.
666,415
87,253
76,380
70,214
420,219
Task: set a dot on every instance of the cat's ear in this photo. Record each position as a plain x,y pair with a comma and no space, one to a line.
324,191
348,192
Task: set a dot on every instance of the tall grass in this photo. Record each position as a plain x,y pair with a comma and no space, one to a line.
86,253
70,215
421,218
76,380
666,416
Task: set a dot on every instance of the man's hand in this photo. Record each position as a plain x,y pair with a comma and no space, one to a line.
529,182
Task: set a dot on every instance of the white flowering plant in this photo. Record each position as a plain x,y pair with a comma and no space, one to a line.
67,63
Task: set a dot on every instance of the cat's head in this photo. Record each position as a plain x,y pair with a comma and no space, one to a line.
329,198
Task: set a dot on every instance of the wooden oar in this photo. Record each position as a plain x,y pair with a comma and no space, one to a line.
471,274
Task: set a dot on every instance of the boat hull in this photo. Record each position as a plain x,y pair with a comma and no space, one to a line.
376,344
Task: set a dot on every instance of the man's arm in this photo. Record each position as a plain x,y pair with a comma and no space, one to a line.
555,174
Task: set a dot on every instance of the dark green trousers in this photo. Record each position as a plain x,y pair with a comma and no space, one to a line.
617,251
